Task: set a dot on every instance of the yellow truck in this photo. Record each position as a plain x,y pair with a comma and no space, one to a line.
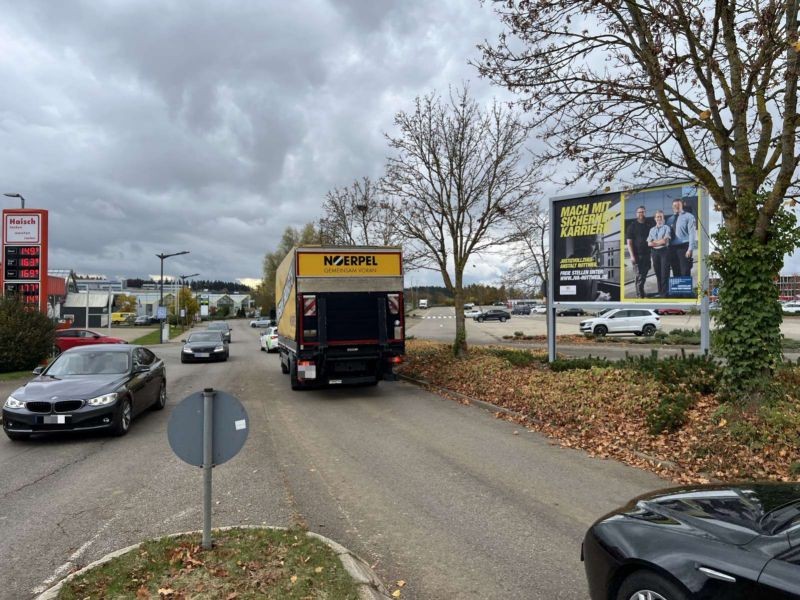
120,318
340,314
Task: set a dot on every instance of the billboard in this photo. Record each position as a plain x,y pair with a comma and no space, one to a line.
636,246
586,248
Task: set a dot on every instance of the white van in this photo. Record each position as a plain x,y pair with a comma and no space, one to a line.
423,303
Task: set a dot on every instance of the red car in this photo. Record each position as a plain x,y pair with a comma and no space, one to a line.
670,311
69,338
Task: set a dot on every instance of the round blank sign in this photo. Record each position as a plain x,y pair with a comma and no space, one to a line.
229,433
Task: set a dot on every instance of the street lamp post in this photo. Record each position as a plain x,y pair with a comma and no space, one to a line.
163,257
183,282
14,195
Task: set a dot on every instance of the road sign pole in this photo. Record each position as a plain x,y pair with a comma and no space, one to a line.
208,428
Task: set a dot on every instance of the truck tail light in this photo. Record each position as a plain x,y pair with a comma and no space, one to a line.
396,360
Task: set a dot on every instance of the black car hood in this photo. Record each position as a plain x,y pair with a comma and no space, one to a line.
733,514
212,343
75,387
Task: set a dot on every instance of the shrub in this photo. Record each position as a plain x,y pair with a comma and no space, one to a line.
26,337
570,364
695,373
519,334
670,412
518,358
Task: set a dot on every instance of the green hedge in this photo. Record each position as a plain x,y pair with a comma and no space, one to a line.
26,337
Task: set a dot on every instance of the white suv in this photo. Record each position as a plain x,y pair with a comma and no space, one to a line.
639,321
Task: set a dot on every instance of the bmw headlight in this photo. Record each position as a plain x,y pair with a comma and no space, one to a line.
12,402
187,350
103,400
219,348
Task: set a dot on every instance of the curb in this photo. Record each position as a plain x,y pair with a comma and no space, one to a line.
369,585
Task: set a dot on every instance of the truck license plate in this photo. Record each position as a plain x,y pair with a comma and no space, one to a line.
56,419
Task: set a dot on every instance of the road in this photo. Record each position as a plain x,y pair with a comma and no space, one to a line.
442,495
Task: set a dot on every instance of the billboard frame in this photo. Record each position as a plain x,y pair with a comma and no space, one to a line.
700,300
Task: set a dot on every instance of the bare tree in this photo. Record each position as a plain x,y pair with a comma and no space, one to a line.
457,180
357,215
706,88
529,258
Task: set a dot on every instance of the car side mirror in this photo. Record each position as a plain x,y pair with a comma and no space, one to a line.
183,341
38,370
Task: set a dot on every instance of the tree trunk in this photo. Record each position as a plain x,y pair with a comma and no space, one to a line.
460,343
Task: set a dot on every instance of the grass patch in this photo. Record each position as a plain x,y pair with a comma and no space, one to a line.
16,375
244,563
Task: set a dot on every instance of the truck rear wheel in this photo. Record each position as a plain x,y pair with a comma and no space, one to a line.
293,375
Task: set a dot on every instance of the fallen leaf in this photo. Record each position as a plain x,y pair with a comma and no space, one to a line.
396,594
232,596
318,570
165,591
142,594
401,583
293,578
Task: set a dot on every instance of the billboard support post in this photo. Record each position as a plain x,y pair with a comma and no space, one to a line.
705,317
551,306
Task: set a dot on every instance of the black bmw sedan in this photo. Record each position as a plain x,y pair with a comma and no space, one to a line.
204,345
731,542
97,387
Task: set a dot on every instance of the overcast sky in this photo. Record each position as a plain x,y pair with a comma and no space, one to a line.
211,126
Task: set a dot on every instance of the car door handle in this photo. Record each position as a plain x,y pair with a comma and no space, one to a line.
714,574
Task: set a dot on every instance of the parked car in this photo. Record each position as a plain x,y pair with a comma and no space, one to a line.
498,304
670,311
539,309
269,340
223,327
469,305
521,309
99,387
204,345
71,338
571,312
792,307
716,542
262,322
493,314
472,313
639,321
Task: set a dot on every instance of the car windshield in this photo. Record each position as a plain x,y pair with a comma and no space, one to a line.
205,336
89,363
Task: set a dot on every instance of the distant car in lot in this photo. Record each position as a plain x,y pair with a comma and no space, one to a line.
204,345
142,320
791,307
472,313
498,304
269,340
469,305
71,338
639,321
521,309
100,387
712,542
670,311
262,322
223,327
493,314
571,312
539,309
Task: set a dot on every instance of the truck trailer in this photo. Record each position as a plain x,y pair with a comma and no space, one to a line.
340,315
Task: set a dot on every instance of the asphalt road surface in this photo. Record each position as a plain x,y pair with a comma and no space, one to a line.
442,495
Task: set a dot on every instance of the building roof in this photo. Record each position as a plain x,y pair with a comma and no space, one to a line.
79,299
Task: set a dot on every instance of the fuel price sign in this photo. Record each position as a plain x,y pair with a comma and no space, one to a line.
24,254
